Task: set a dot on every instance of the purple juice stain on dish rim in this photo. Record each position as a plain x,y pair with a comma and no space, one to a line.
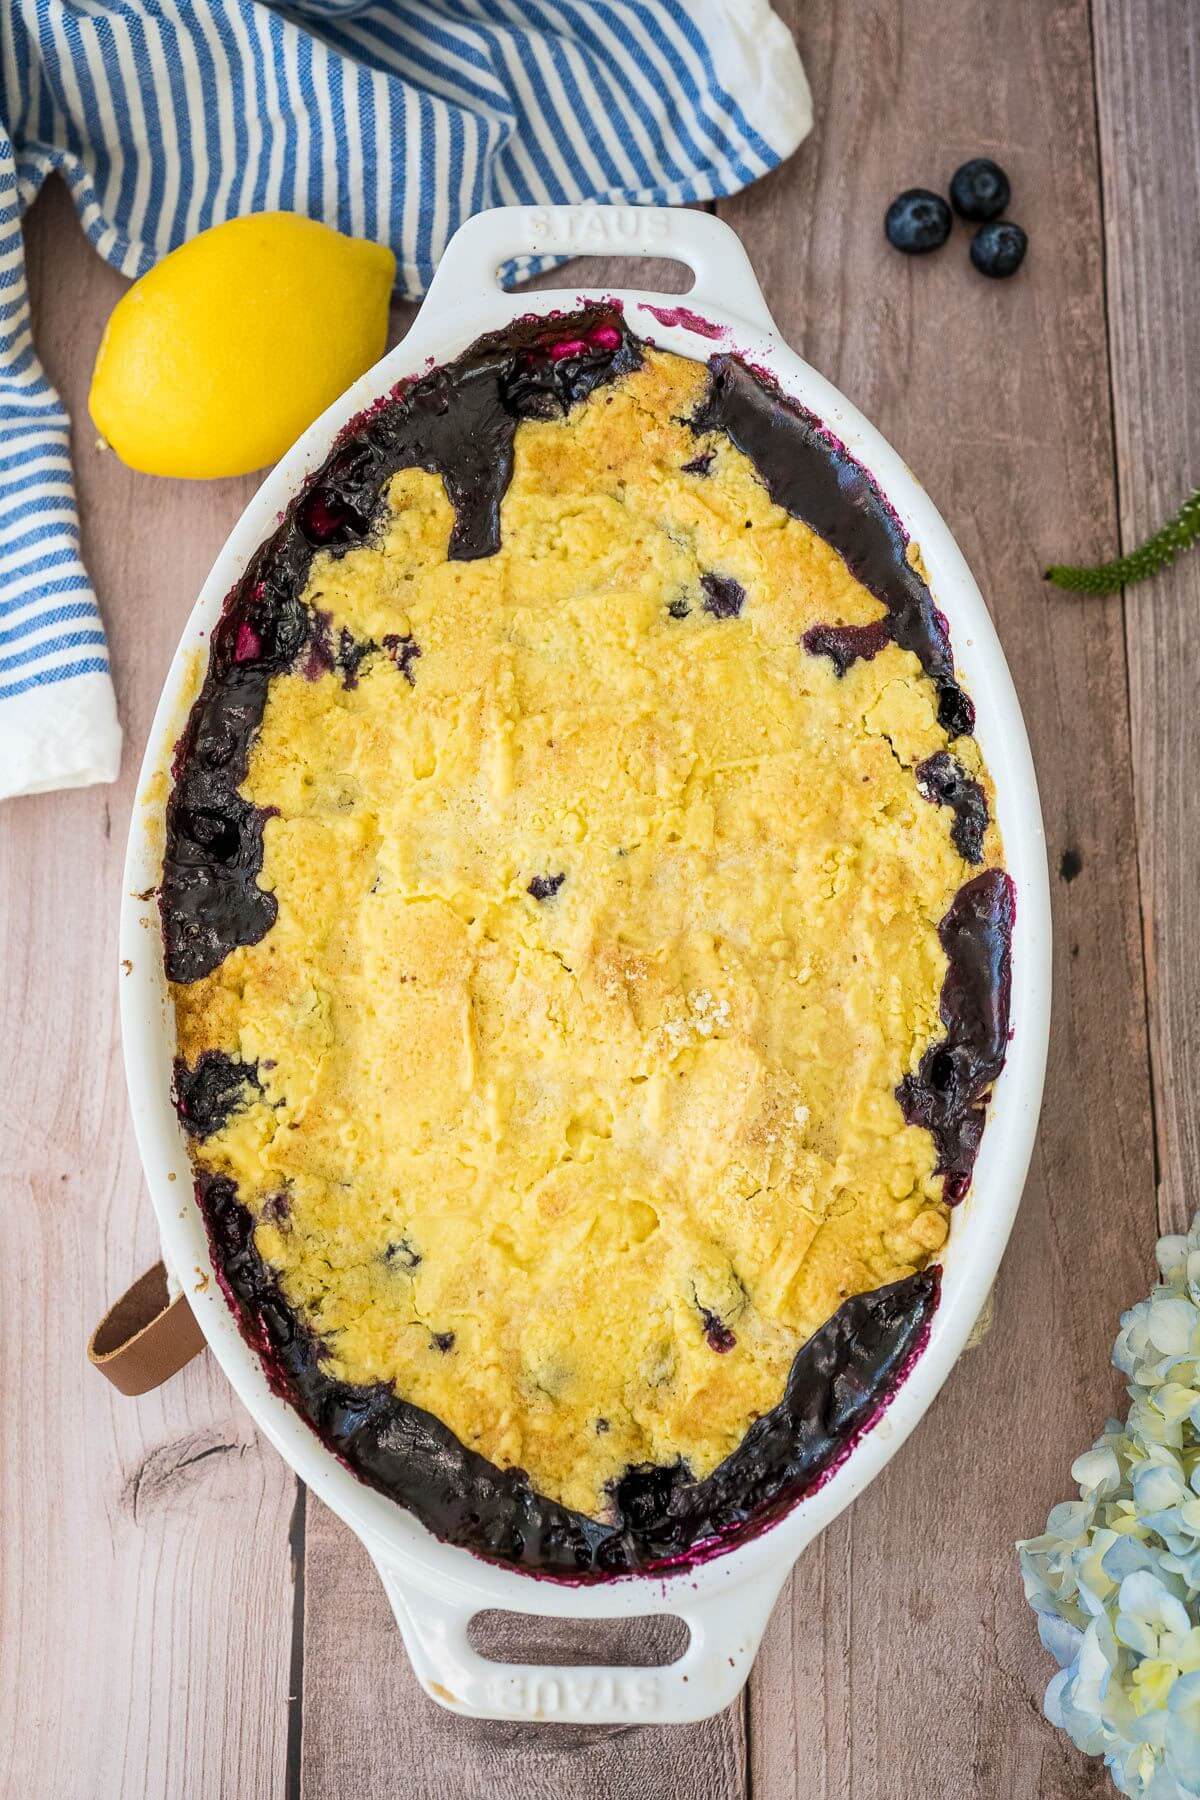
684,319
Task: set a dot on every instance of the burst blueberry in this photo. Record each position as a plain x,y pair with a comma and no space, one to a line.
404,652
716,1333
207,1095
723,596
400,1254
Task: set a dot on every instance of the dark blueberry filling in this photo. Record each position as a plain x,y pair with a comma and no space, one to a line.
717,1334
846,644
214,901
723,596
700,465
404,652
443,1341
210,898
319,658
814,478
350,654
326,517
207,1096
401,1255
460,422
679,609
838,1382
948,1095
945,782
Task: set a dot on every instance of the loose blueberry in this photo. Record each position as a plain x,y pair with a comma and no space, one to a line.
979,190
917,221
999,249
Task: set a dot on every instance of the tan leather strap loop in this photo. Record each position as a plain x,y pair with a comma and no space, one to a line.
146,1337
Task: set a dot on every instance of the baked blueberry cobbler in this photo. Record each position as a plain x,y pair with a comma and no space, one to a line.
589,947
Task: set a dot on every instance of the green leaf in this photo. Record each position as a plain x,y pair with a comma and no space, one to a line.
1178,534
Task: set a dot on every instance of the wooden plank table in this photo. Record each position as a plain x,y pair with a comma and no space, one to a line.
175,1620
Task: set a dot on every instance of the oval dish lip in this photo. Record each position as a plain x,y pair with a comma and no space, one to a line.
981,1224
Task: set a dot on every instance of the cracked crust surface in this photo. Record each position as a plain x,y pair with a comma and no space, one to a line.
578,1164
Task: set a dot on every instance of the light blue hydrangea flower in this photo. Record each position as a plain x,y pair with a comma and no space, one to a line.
1115,1577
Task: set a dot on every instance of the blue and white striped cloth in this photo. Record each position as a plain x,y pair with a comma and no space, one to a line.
390,119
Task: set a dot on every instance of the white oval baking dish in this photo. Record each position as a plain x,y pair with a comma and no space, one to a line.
436,1588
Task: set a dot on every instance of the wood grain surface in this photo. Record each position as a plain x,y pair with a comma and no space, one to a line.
902,1661
1148,63
176,1619
145,1584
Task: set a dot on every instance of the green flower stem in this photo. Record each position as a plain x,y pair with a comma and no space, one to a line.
1178,534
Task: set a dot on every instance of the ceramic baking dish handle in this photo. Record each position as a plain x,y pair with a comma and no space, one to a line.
470,267
725,1632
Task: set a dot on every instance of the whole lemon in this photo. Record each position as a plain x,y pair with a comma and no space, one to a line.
218,358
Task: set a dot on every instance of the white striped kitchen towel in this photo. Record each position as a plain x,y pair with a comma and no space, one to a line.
391,119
